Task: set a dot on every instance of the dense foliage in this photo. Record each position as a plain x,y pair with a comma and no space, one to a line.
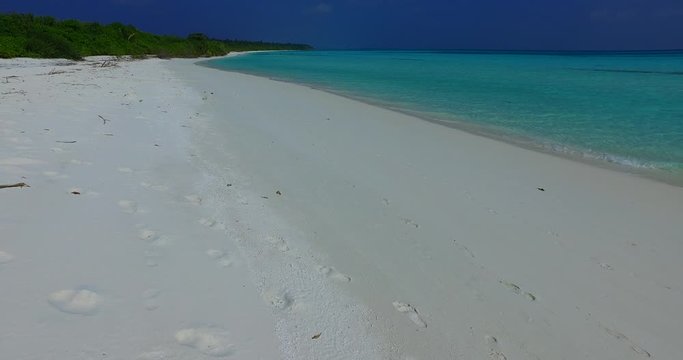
25,35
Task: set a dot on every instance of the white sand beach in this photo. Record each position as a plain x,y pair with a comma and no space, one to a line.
179,212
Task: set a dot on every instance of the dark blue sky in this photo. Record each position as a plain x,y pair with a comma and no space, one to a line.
460,24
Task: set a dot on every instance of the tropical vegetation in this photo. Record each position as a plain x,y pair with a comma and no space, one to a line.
26,35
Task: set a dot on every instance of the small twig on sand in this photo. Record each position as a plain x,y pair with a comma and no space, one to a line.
55,72
20,92
17,185
66,142
108,63
78,84
10,77
104,121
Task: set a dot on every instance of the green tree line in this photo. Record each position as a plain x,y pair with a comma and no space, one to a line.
26,35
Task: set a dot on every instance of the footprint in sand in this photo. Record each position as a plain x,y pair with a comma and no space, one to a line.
5,257
18,161
278,243
494,348
148,235
211,224
278,299
194,199
79,162
154,187
208,341
215,254
154,355
128,206
152,237
333,274
54,175
80,302
411,312
220,257
151,258
150,297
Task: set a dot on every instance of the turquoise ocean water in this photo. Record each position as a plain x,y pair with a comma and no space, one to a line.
618,108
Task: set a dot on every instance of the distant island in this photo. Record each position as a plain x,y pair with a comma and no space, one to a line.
26,35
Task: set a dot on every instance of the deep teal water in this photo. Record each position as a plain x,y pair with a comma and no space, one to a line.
624,108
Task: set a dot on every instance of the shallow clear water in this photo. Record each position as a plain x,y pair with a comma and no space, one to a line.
624,108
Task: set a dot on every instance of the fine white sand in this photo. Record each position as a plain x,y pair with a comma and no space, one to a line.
225,215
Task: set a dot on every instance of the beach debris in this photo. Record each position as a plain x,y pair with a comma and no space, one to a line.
157,145
17,185
54,72
20,92
517,290
465,248
108,63
606,266
66,142
229,185
540,189
410,222
316,336
104,121
265,197
619,336
513,287
10,77
278,193
76,193
494,348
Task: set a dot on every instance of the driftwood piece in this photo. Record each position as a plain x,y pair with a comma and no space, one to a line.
17,185
104,121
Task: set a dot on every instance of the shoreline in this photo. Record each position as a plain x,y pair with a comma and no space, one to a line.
496,249
179,212
601,160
